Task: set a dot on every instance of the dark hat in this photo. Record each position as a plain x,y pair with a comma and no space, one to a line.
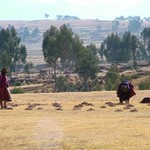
4,70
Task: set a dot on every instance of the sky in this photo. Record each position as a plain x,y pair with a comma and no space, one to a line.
84,9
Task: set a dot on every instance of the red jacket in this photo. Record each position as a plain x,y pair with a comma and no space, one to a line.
4,81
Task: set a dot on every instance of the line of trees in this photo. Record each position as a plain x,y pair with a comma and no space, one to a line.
61,47
126,48
64,50
67,17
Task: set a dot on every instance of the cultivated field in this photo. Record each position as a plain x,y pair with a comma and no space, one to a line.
75,121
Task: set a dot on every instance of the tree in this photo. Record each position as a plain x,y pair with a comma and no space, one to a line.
35,32
27,67
24,33
110,47
135,24
115,25
50,47
59,17
125,52
86,65
60,44
67,17
77,45
93,48
112,79
121,18
20,57
145,37
10,47
134,48
98,29
46,16
65,39
101,50
117,49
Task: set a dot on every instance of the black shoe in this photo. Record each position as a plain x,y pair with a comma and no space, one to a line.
9,100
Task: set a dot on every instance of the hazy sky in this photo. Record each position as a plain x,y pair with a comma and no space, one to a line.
84,9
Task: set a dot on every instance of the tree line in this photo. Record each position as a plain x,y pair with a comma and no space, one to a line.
128,47
63,50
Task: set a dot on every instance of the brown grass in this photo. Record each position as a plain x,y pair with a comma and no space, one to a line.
45,128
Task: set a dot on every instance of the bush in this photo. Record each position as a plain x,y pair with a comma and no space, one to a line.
17,83
71,87
144,85
61,84
112,79
98,87
17,91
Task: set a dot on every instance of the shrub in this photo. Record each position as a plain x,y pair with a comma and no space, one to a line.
61,84
71,87
112,79
98,87
78,85
18,83
144,85
17,91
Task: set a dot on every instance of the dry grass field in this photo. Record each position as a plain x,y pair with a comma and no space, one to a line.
75,121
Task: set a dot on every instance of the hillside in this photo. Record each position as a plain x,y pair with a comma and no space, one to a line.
86,29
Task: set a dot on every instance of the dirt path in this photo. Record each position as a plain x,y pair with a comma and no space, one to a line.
48,134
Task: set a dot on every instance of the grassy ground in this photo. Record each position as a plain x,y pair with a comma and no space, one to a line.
75,121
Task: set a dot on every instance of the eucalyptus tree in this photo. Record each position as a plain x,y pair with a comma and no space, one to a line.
87,64
134,49
65,38
102,50
50,47
115,25
46,16
10,48
125,53
135,24
35,32
110,47
112,78
60,44
77,45
20,57
27,67
145,37
93,48
122,49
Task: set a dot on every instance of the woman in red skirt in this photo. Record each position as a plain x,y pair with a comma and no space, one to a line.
4,91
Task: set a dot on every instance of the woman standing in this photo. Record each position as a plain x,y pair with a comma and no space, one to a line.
4,92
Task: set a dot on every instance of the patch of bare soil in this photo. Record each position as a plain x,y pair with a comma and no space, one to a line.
79,106
47,128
